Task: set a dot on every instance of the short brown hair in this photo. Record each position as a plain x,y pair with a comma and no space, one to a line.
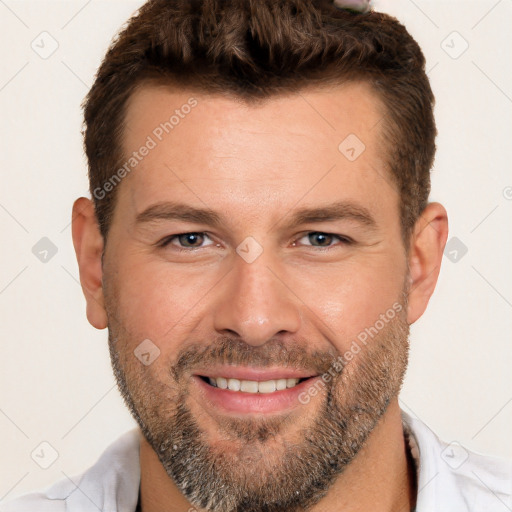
255,49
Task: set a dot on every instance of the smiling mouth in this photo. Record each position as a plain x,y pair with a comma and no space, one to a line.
252,386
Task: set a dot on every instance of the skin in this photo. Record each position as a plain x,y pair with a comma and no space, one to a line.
255,166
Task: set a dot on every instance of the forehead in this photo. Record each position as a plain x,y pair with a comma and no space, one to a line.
320,114
213,148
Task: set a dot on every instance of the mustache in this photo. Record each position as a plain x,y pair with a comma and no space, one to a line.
234,351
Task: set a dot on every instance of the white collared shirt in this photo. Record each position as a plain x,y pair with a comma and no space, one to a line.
450,479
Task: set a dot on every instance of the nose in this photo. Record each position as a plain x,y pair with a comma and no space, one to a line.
255,302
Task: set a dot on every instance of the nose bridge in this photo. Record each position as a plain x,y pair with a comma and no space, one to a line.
255,304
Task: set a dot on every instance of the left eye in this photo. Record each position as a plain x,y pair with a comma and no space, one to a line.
323,239
187,240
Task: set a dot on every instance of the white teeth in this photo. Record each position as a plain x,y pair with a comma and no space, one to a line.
252,386
291,382
234,384
280,384
249,386
269,386
222,383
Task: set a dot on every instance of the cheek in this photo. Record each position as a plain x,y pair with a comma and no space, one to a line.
351,299
156,301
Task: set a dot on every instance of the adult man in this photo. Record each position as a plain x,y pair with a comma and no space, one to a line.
258,244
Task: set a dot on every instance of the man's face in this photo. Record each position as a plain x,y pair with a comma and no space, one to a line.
271,288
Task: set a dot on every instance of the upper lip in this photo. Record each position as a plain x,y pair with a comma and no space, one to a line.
254,373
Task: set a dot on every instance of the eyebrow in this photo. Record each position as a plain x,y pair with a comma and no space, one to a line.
326,213
179,211
335,211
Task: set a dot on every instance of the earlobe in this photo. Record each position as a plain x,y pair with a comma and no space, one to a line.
425,254
88,243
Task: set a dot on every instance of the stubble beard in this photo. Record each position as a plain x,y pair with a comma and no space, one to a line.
256,466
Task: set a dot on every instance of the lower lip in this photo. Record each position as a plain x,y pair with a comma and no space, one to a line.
243,403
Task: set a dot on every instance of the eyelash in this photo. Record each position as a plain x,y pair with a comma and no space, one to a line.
167,240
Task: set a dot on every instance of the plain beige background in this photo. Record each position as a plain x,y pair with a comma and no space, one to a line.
55,378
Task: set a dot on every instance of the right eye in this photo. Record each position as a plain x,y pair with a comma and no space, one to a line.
192,240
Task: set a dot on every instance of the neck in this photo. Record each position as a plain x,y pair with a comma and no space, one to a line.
381,478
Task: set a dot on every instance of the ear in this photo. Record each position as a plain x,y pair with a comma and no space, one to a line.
88,243
425,254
